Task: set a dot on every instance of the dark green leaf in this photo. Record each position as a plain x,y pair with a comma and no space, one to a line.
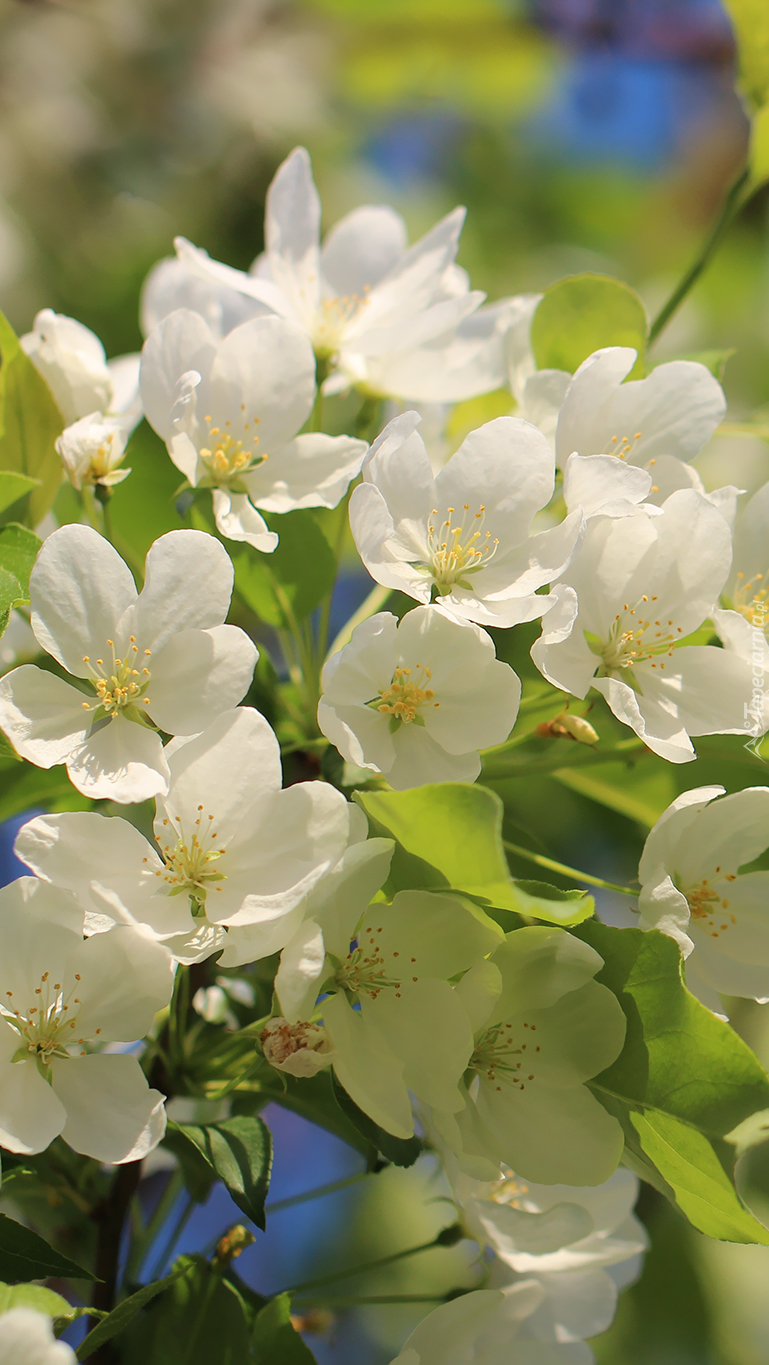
197,1172
685,1087
25,1256
29,424
582,314
239,1150
276,1342
201,1319
294,579
120,1317
400,1151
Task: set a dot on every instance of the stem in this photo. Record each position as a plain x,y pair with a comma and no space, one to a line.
109,1218
88,504
339,1300
375,601
368,1265
172,1239
733,202
280,1204
325,606
572,873
145,1236
367,419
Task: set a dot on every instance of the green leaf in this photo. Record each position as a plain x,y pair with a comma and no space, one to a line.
449,836
239,1150
294,579
583,313
684,1086
13,486
25,1256
18,551
758,154
29,424
197,1172
200,1320
542,900
400,1151
120,1317
751,26
33,1296
276,1342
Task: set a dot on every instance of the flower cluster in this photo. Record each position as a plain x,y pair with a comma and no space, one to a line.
427,1008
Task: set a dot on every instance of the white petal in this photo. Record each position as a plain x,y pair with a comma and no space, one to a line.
199,264
198,675
79,589
31,1116
313,470
123,761
187,584
125,979
112,1114
362,247
292,233
264,374
181,342
506,464
238,519
302,964
602,483
232,767
42,715
367,1068
427,1010
26,1338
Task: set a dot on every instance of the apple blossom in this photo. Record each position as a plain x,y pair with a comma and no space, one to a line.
91,450
463,535
692,889
484,1328
26,1338
579,1242
416,700
73,364
542,1028
639,586
236,855
229,412
377,977
380,311
159,658
61,998
747,588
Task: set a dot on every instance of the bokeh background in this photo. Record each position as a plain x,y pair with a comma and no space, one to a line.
581,135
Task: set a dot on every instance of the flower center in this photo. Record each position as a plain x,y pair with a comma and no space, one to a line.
634,639
405,695
458,547
500,1058
332,318
622,446
190,859
366,971
751,599
47,1026
119,685
227,457
708,907
510,1190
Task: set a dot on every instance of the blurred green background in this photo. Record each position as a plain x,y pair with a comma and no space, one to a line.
581,135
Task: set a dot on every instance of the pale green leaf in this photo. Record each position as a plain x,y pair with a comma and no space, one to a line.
13,486
33,1296
18,551
582,314
758,155
543,901
751,25
29,424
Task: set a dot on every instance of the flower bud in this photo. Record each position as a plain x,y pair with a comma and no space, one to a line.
301,1049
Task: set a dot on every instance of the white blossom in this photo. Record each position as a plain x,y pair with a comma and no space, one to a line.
73,364
26,1338
416,700
484,1327
61,998
693,890
542,1028
161,658
639,586
394,319
236,855
463,535
91,450
393,1021
229,412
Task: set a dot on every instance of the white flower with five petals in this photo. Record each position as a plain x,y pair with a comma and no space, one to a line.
61,998
488,1327
91,450
692,889
229,412
639,585
236,855
162,656
416,700
463,535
